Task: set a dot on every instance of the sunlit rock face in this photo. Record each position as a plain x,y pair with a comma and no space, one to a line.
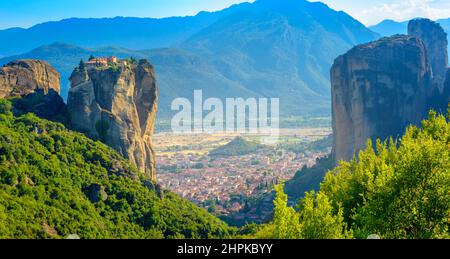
22,77
37,84
117,105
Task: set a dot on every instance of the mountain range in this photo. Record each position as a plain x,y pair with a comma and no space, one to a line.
269,48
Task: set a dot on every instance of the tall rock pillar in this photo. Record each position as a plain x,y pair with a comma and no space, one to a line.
117,104
378,89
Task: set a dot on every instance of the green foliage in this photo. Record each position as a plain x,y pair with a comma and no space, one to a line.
309,178
237,147
45,175
400,190
81,65
315,219
131,60
319,219
286,220
5,106
403,189
114,68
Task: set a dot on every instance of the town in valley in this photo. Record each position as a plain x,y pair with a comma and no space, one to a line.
192,166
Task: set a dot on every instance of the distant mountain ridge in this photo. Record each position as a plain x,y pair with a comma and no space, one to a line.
391,27
127,32
270,48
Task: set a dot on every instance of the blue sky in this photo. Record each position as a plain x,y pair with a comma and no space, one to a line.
25,13
371,12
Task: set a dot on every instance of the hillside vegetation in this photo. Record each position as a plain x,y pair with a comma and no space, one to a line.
399,191
237,147
55,183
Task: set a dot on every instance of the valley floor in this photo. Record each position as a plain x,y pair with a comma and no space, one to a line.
225,184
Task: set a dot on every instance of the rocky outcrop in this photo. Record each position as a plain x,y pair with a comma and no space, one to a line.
377,90
435,39
38,85
380,88
96,193
22,77
48,105
117,104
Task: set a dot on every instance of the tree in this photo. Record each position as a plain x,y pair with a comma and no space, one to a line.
82,65
286,224
45,170
319,220
315,219
399,190
5,106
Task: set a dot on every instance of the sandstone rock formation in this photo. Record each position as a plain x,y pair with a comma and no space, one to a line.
378,89
22,77
48,105
435,39
38,84
117,104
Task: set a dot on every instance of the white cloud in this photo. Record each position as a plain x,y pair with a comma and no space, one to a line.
404,10
374,11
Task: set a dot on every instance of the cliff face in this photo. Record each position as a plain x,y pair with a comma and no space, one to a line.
446,94
435,40
378,89
117,105
38,84
22,77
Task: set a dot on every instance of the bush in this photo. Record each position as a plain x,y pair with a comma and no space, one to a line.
5,106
